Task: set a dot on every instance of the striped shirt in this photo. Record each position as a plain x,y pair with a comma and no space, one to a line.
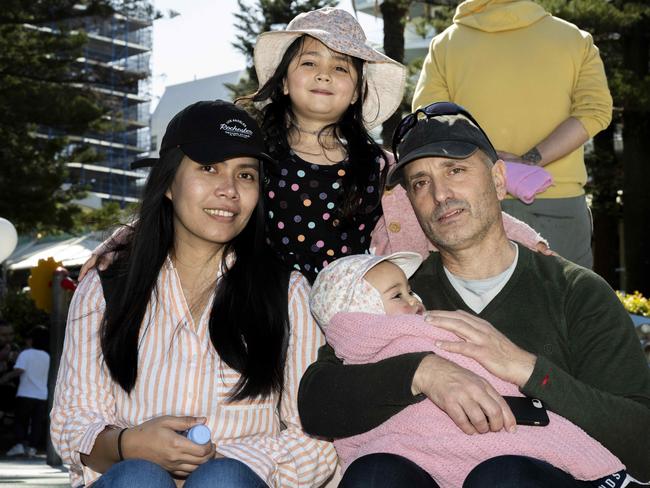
180,373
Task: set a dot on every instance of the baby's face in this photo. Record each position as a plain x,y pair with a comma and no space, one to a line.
396,295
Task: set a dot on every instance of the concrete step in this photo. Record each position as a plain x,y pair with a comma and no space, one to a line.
23,472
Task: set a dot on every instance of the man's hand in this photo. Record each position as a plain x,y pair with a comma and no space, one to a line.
469,400
158,440
485,344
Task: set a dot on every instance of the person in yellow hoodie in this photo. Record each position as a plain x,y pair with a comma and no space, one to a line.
537,85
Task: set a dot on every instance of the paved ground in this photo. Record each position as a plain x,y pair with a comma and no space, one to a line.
31,473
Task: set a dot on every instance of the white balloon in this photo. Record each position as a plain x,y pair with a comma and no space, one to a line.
8,239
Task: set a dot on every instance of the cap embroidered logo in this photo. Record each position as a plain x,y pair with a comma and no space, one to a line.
236,128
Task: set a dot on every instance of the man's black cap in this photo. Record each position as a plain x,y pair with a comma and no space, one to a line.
211,131
445,136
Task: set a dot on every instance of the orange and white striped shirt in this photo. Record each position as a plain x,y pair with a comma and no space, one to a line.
180,373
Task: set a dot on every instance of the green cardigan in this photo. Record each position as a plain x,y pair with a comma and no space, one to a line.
590,367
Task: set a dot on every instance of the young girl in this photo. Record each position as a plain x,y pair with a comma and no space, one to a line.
322,88
194,322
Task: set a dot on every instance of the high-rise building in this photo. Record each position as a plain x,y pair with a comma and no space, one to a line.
118,53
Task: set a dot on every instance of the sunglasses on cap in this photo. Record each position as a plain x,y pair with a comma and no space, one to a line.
436,109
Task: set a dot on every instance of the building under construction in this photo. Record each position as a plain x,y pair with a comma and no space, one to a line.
118,53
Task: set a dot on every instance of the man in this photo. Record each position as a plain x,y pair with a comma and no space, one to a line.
537,85
554,329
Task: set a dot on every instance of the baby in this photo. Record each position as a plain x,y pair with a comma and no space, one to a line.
366,308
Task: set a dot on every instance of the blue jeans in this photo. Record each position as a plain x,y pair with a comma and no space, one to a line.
216,473
393,471
385,471
525,472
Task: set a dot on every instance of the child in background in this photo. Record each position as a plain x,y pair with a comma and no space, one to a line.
365,306
31,367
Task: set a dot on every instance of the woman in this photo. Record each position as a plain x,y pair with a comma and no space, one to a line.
191,324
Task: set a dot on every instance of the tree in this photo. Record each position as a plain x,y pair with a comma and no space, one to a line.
110,215
395,15
621,29
46,92
18,308
262,16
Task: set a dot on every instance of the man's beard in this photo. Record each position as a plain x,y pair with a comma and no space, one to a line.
479,223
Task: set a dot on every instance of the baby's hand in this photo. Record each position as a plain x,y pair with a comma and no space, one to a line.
543,248
102,262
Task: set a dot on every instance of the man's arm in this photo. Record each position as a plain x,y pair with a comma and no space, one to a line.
590,112
337,400
607,393
566,138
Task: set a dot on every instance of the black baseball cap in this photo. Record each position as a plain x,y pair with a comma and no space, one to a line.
211,131
446,136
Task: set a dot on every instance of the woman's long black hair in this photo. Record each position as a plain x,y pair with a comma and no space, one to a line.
249,324
363,151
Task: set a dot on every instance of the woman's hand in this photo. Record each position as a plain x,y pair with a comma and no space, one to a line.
158,440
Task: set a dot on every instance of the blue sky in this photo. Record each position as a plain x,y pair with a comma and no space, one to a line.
198,42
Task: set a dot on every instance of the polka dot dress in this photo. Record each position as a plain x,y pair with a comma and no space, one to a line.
302,203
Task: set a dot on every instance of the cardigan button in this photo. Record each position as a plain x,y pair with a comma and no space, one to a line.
394,227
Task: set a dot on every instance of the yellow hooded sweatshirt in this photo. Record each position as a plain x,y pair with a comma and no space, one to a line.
520,72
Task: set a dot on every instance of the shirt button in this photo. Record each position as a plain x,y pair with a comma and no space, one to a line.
394,227
389,191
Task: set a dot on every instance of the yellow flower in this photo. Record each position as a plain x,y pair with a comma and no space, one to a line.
635,303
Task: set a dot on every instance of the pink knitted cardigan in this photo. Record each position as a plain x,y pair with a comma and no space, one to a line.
426,435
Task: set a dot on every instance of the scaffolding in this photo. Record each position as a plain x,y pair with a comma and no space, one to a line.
118,49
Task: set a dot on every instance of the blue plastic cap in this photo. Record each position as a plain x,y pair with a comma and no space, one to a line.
199,434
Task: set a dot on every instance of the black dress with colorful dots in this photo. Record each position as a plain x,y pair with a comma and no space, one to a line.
302,207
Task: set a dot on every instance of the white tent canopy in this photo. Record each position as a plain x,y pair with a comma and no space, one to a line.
69,251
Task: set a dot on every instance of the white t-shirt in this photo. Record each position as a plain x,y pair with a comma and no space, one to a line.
477,294
33,381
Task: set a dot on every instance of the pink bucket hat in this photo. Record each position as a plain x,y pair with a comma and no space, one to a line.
340,286
341,32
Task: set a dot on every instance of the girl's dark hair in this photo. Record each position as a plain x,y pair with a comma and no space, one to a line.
350,130
40,336
249,324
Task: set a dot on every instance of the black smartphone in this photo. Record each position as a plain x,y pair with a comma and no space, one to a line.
527,411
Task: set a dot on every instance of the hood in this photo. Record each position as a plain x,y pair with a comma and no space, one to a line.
498,15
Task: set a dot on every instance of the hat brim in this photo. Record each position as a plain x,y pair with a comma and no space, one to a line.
441,149
207,153
386,78
200,154
409,262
